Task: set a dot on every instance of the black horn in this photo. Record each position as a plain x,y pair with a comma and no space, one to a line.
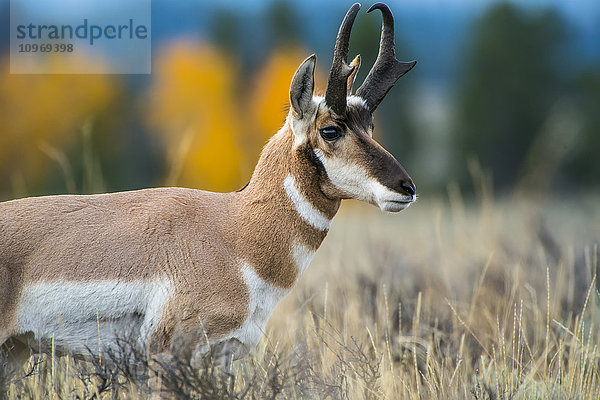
386,70
337,84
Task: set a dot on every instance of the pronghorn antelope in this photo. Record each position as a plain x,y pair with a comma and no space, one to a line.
78,270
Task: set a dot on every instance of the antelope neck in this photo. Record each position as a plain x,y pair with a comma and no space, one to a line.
283,211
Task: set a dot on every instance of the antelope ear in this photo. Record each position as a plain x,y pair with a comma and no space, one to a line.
302,87
356,64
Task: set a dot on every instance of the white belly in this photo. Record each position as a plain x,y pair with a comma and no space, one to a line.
82,317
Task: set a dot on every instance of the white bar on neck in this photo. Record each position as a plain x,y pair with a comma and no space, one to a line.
306,210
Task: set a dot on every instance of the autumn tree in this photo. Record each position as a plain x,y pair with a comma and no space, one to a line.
42,117
192,110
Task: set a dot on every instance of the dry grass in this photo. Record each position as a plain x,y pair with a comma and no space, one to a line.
493,300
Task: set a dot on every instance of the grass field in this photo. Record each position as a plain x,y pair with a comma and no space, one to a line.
483,300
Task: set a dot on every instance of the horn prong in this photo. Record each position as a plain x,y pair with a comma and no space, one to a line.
356,64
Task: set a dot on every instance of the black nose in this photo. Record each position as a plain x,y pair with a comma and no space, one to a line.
408,188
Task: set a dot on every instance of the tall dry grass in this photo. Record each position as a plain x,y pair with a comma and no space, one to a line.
485,300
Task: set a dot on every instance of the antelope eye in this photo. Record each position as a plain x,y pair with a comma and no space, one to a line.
330,133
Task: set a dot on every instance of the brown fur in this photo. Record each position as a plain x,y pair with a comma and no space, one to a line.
195,238
198,240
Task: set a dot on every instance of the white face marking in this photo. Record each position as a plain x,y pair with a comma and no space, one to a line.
357,101
302,256
75,313
301,126
358,184
317,100
264,297
306,210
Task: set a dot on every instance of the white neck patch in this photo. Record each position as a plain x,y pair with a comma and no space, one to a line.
306,210
302,256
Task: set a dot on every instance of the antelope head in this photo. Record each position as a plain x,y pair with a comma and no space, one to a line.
336,131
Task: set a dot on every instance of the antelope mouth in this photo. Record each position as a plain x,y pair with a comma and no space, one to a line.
395,205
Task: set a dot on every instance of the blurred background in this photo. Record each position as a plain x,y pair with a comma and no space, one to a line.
503,104
505,92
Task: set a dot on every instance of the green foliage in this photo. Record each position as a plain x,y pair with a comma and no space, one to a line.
583,166
225,31
282,24
512,77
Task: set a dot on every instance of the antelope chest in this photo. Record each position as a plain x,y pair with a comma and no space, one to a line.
263,299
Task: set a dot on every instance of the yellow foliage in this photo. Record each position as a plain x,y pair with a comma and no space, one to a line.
270,94
38,109
212,132
193,110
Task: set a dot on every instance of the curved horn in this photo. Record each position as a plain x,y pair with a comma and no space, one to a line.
386,70
335,96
